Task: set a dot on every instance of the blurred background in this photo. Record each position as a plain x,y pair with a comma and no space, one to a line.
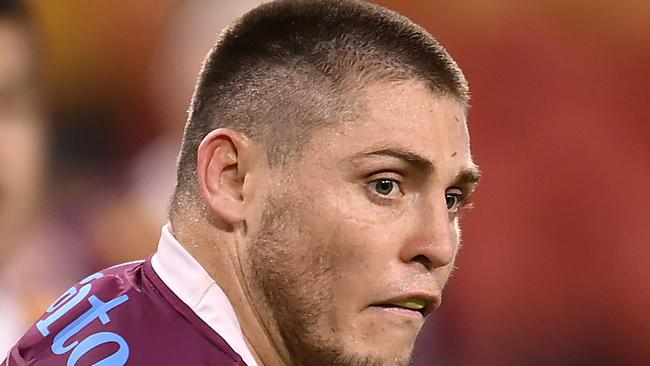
555,268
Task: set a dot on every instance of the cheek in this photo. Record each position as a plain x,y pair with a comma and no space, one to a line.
352,205
342,221
359,241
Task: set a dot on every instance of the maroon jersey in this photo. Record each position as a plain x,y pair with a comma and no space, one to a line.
124,315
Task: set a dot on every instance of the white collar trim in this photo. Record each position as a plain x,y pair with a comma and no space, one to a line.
194,286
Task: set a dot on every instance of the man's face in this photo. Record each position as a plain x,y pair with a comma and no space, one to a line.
360,232
21,133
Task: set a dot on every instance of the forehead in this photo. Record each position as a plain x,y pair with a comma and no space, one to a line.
405,116
410,110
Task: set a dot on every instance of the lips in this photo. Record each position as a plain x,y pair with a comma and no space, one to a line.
424,304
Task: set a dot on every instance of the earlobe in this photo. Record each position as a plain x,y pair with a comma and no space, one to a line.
221,173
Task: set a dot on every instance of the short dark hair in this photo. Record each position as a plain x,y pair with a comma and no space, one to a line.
289,66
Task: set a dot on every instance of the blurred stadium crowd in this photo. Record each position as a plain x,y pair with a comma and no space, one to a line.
556,262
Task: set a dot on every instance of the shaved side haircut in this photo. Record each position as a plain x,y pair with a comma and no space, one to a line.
290,66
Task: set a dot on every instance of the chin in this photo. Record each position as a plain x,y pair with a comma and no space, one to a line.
363,341
384,347
386,344
376,357
387,330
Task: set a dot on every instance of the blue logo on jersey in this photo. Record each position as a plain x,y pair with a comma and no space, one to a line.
98,310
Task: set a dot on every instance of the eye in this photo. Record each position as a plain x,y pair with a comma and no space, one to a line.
454,201
385,187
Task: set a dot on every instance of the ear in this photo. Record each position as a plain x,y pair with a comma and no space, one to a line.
221,171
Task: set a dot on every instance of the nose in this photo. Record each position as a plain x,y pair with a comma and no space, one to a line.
434,237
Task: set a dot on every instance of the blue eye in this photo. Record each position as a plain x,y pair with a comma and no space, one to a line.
454,201
385,187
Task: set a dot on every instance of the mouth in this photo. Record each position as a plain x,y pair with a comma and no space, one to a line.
421,305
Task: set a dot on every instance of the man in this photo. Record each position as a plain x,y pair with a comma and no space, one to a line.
315,216
22,160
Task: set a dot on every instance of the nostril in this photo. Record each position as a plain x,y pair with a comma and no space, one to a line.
423,260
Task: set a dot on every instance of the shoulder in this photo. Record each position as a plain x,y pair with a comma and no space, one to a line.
117,315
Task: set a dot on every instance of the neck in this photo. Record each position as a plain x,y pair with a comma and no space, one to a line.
219,255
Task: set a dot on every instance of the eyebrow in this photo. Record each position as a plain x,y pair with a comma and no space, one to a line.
467,177
420,163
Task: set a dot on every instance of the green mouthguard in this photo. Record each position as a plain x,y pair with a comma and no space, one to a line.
414,304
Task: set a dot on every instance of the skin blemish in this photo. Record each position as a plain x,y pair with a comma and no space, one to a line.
454,154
